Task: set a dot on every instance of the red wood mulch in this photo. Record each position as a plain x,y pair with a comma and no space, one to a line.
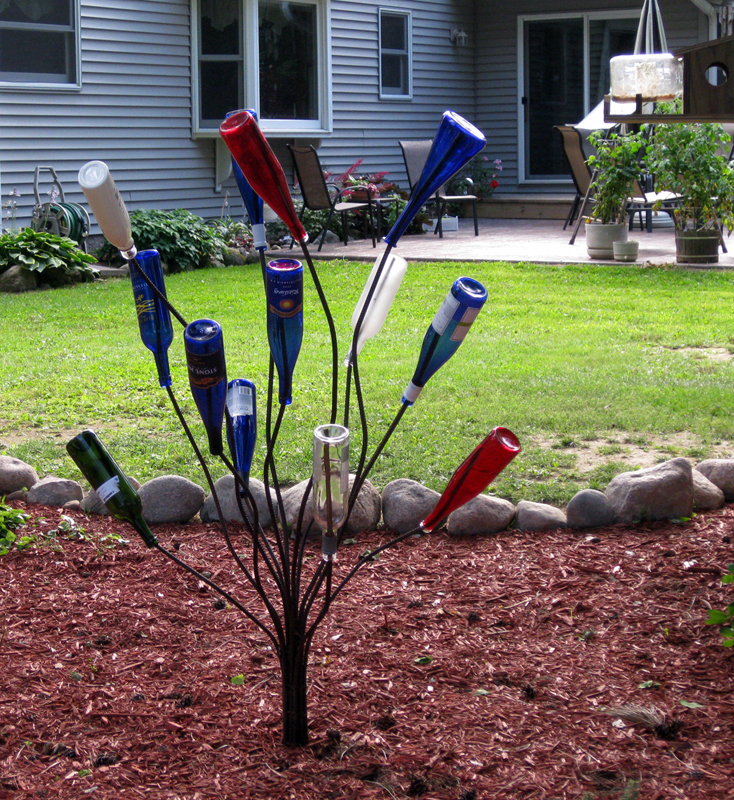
115,671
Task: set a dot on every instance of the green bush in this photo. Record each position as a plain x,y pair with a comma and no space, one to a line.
57,259
184,240
10,520
725,618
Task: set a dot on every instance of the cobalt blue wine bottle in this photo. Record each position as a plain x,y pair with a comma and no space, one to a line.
208,376
154,318
284,289
241,420
447,331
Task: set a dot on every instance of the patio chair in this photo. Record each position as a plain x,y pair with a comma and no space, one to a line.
318,195
642,202
573,149
415,154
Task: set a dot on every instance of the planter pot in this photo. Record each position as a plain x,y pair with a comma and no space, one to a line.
697,247
626,251
600,238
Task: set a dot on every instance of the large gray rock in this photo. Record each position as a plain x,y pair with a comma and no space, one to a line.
365,515
589,508
232,257
15,475
225,489
720,471
53,491
482,515
706,495
405,503
664,491
170,498
531,516
17,279
92,504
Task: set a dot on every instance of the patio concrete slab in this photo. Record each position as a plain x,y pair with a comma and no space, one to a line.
514,240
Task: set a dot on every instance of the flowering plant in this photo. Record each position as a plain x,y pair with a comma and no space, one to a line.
10,208
482,171
374,183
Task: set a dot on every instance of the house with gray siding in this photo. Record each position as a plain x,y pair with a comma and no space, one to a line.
143,85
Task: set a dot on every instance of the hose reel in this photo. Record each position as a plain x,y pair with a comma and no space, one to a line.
58,216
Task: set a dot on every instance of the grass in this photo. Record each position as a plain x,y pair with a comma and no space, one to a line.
562,355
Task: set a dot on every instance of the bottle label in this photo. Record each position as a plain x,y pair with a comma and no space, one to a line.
463,325
239,401
285,295
445,313
207,370
109,488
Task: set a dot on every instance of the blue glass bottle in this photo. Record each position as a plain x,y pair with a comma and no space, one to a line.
208,376
284,290
447,331
253,202
241,420
154,318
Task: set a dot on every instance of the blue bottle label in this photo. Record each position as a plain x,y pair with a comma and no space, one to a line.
285,296
207,370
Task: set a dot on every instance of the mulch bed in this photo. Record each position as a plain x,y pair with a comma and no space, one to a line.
457,668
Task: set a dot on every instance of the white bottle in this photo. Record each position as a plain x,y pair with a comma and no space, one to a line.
109,208
381,302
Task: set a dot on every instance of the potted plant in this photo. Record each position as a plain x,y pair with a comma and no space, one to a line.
617,164
691,160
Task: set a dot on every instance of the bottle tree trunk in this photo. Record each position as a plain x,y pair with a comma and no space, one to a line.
295,709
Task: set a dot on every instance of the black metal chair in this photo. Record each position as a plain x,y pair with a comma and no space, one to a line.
318,195
415,154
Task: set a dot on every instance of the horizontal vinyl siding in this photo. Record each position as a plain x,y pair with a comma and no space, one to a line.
497,73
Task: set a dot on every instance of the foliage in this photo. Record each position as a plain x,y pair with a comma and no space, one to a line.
10,208
688,160
233,232
374,183
482,173
617,160
725,618
10,520
57,259
184,240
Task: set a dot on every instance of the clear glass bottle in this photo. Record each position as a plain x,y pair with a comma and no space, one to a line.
330,483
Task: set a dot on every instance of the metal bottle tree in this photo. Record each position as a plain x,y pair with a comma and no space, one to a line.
292,612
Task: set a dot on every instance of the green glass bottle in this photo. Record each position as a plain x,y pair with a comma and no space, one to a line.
108,480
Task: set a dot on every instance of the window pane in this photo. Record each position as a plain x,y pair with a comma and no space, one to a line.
554,90
394,74
220,90
607,38
34,56
51,12
393,32
220,29
288,66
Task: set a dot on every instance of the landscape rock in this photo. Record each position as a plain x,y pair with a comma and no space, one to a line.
232,257
54,491
589,508
16,279
405,503
706,495
720,471
482,515
664,491
226,492
365,515
15,475
91,504
170,498
531,516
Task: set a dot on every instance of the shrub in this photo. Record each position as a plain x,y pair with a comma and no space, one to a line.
233,232
10,520
184,241
57,259
725,618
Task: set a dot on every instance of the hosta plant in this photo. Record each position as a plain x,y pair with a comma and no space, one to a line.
56,259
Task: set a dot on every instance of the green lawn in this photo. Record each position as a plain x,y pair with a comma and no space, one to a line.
563,356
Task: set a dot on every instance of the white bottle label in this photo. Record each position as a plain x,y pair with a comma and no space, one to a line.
445,313
108,489
462,327
239,401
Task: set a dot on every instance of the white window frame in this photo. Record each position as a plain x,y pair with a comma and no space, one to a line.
52,86
586,17
320,126
408,16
